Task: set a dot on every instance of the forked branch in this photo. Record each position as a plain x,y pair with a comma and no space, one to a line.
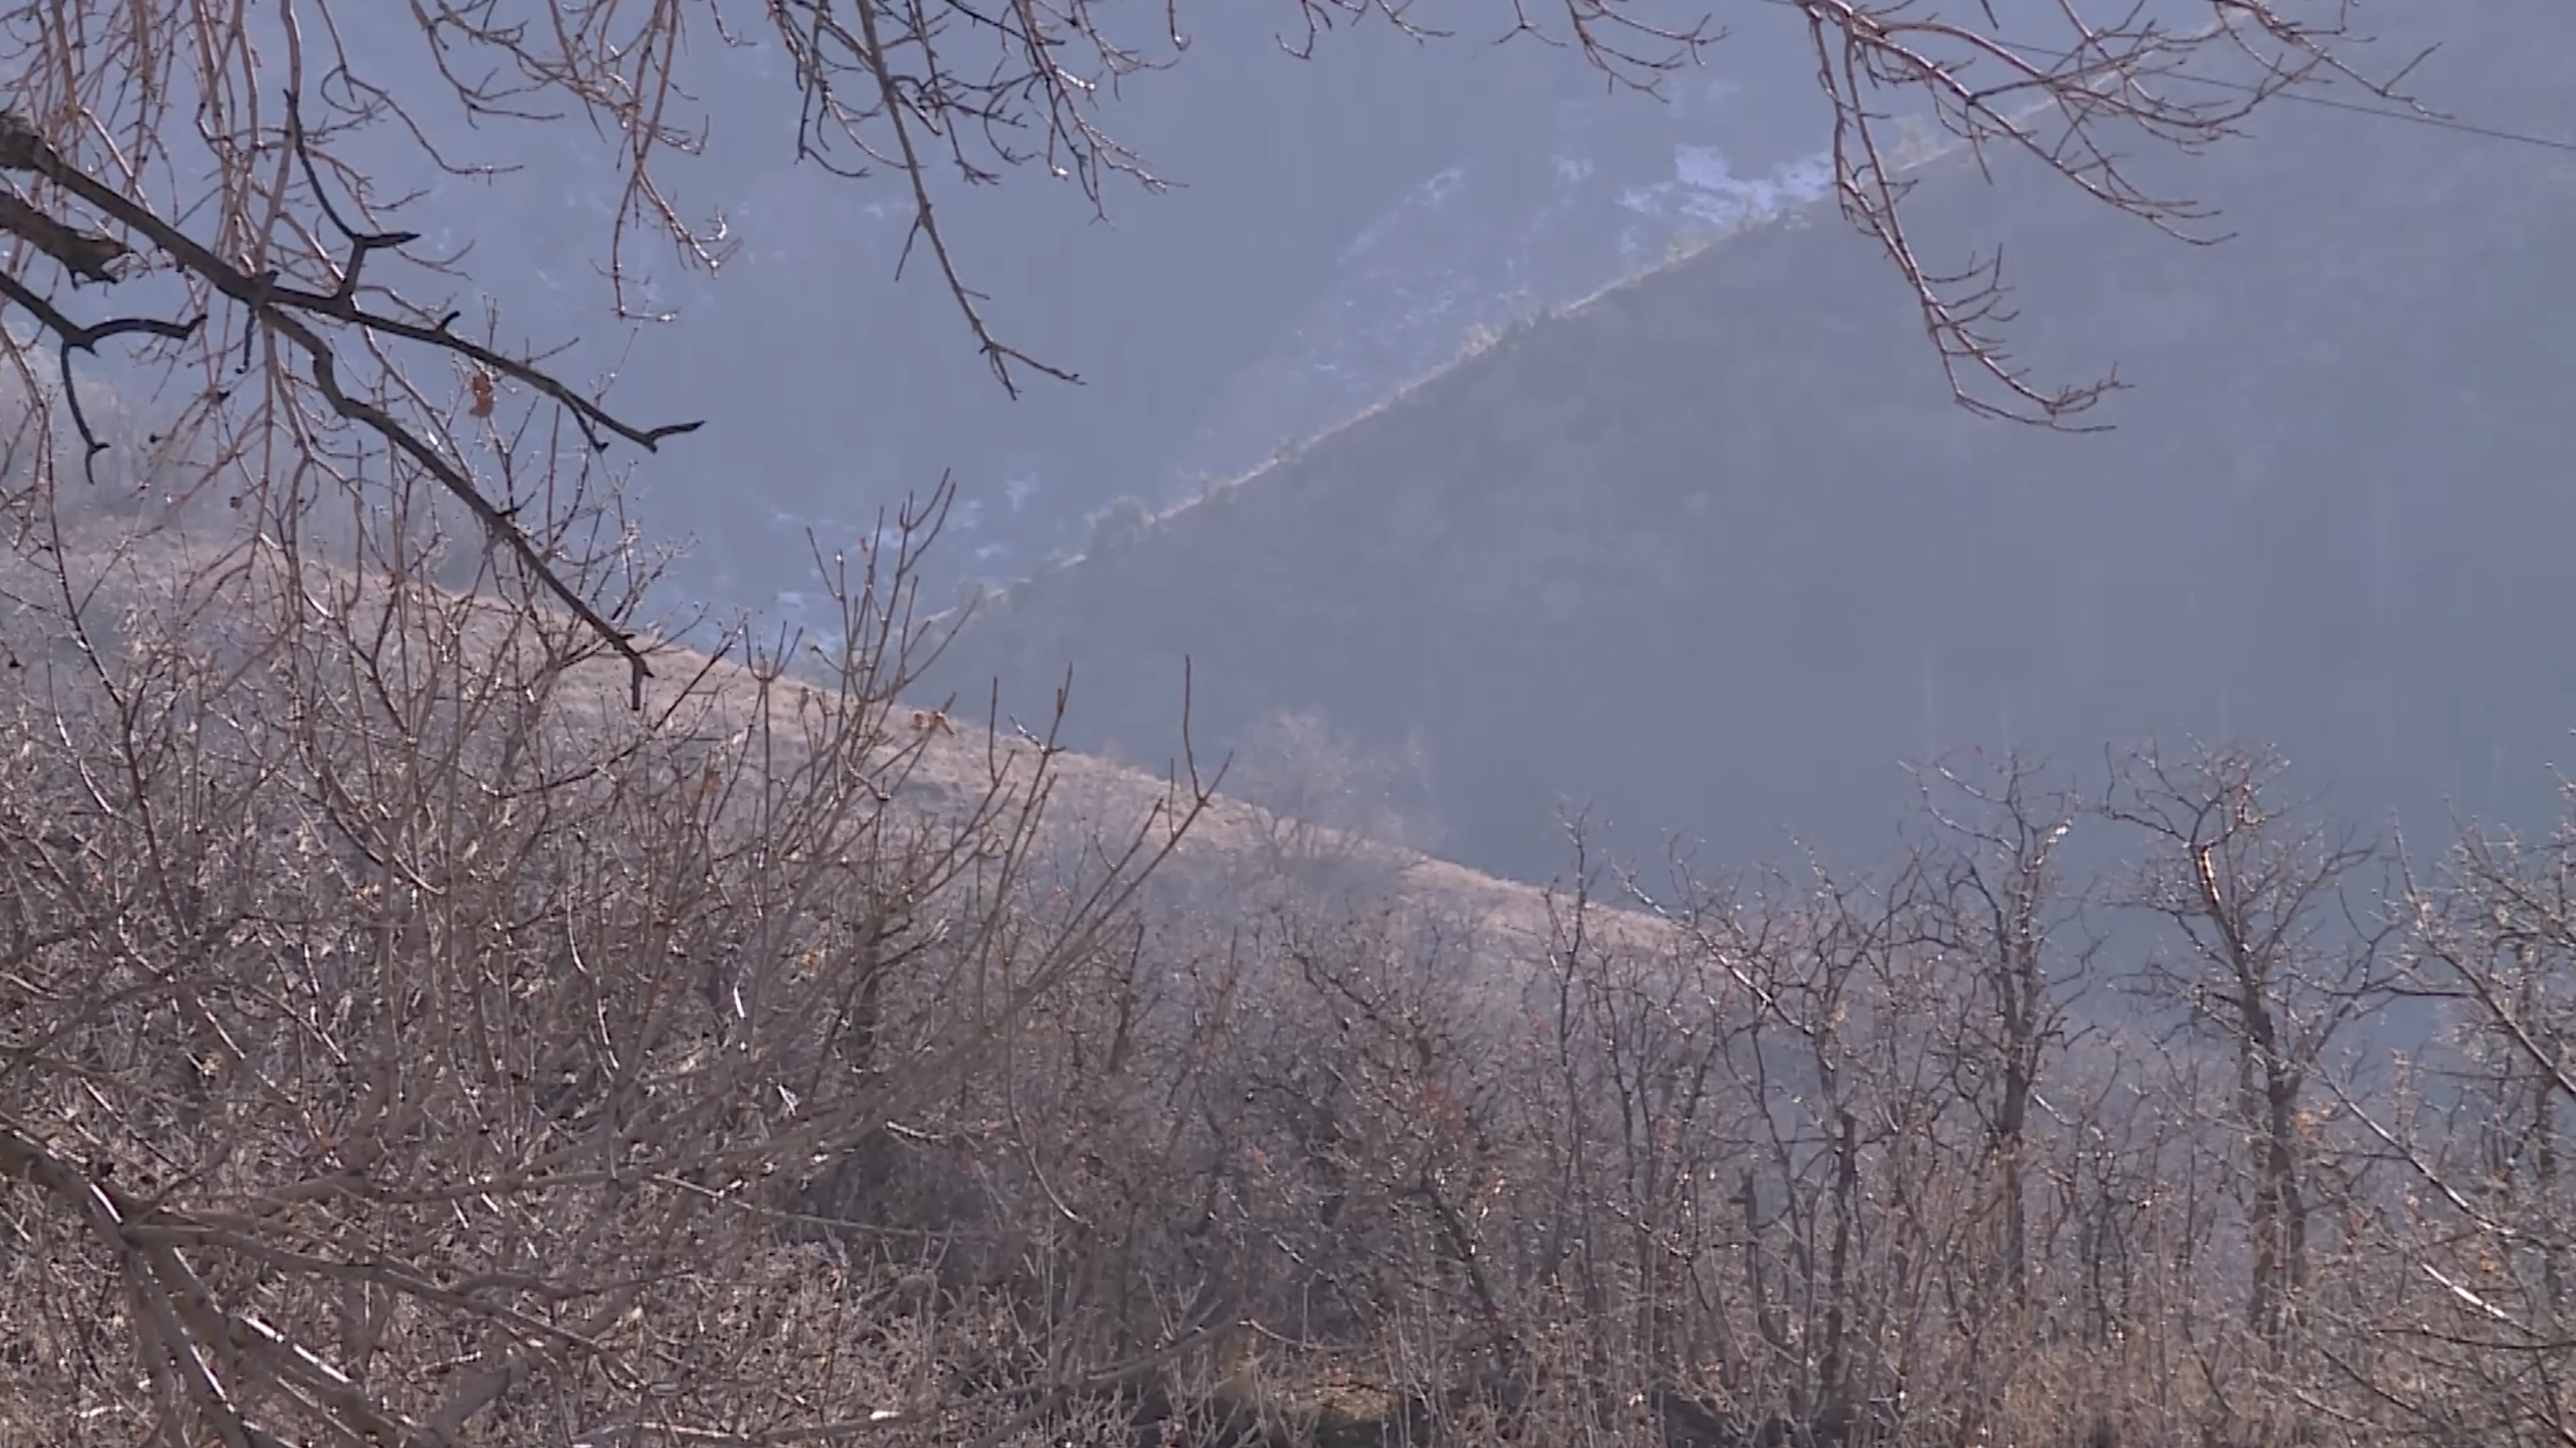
292,314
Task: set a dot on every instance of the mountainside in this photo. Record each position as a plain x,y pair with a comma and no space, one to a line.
1714,553
1423,189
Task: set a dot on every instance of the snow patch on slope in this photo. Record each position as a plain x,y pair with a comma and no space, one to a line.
1462,257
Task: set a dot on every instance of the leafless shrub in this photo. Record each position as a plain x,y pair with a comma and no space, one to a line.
404,1040
1334,810
2461,1333
2272,956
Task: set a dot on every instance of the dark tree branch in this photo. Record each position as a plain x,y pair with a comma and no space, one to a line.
85,254
284,310
74,337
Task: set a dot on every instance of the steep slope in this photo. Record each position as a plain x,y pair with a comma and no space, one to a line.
145,567
1713,553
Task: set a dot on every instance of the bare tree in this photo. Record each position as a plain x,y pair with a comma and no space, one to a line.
1997,906
2463,1334
2266,950
1998,903
405,1043
1328,802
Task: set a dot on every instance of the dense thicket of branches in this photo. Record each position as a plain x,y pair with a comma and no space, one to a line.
401,1042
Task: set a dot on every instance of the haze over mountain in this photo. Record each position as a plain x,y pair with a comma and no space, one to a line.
1714,552
1332,231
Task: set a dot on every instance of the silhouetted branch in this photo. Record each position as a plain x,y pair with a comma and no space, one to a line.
283,309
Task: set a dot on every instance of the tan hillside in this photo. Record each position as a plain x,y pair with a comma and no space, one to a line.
140,570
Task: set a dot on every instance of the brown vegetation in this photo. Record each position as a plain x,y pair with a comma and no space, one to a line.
401,1042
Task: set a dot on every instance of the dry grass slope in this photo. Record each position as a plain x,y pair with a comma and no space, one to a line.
144,571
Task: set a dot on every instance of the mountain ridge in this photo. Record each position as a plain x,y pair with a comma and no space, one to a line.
1714,545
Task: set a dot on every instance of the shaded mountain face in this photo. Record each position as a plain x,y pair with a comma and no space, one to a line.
1713,553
